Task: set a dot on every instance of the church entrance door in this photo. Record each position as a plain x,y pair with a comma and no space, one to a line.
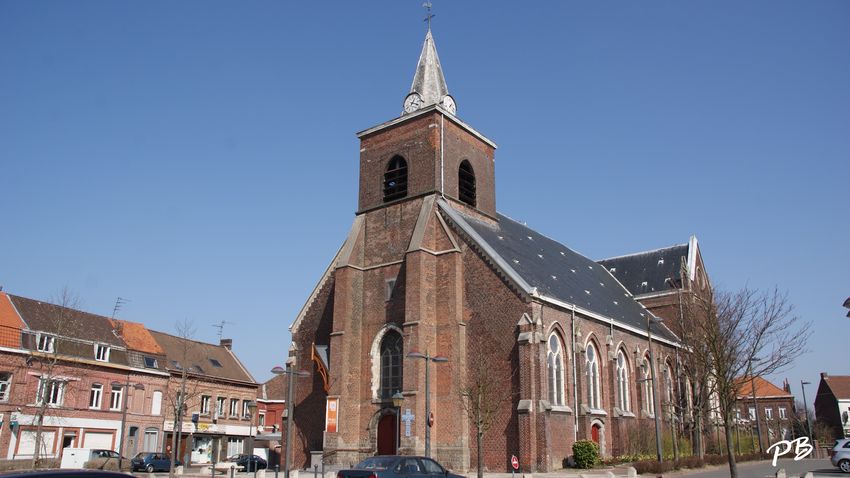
594,433
386,435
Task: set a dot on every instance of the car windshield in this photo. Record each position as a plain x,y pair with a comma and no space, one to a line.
376,463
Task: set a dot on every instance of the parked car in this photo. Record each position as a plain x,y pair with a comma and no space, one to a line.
150,462
840,455
64,474
391,466
248,462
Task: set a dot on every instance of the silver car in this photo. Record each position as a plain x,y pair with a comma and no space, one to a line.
840,454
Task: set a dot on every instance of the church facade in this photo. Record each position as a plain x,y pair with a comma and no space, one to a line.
433,286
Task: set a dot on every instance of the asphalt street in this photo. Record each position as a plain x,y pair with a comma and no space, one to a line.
820,468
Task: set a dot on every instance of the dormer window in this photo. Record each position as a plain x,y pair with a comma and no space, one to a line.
395,179
45,343
101,353
466,183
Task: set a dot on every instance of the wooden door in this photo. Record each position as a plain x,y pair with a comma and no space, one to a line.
386,435
594,433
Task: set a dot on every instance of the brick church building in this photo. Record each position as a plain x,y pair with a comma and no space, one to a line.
431,269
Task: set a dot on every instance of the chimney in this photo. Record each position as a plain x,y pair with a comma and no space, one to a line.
824,376
787,386
227,343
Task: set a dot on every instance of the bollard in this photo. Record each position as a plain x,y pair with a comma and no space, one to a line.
323,466
315,471
232,471
276,470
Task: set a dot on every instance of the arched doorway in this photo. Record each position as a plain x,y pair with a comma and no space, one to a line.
386,435
594,433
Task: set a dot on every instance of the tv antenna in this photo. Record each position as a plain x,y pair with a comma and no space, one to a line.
220,327
120,301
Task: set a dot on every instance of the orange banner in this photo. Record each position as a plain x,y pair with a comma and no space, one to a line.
331,415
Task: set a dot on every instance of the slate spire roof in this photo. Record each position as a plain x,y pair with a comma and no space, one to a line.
428,81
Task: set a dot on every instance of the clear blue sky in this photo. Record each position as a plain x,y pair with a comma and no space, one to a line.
199,157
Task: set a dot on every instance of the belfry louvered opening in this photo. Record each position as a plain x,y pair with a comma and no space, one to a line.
395,179
466,183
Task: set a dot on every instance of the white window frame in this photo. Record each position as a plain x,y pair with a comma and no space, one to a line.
205,404
219,406
783,413
5,386
115,397
45,343
752,413
56,395
555,369
96,396
101,352
623,399
768,413
234,407
245,411
156,403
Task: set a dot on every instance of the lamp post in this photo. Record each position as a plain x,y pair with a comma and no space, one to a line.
252,405
278,370
806,407
398,399
649,319
428,359
125,387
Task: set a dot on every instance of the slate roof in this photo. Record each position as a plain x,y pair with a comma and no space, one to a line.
197,358
64,321
548,268
764,389
647,272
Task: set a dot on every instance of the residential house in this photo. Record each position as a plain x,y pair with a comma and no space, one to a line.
773,406
832,403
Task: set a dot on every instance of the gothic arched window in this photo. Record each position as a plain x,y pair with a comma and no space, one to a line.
668,383
648,395
395,179
466,183
555,370
391,369
592,365
623,382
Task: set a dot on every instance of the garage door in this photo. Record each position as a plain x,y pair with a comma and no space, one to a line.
26,443
98,440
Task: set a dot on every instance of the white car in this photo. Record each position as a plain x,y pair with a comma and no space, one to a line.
840,454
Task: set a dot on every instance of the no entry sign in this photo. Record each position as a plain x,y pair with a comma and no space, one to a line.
515,462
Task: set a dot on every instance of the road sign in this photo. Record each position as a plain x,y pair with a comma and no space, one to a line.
515,462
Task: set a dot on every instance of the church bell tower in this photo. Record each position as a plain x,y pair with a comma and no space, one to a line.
427,150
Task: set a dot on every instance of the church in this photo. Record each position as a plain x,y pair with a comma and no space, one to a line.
433,285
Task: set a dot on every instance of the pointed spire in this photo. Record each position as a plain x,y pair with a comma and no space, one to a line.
429,84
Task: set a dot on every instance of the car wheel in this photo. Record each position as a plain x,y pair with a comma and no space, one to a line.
149,468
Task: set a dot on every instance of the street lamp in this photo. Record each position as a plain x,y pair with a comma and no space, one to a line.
847,305
252,405
428,359
278,370
649,319
125,387
806,407
398,399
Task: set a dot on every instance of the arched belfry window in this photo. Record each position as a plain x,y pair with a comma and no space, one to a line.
555,369
395,179
466,183
391,368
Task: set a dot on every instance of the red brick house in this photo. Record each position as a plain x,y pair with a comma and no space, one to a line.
431,268
832,403
774,406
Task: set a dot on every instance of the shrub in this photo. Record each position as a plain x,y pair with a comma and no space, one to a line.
690,462
585,453
653,466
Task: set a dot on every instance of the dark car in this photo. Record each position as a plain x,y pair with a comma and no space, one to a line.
249,462
391,466
151,461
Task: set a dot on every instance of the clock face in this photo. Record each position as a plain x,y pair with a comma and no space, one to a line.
449,104
412,103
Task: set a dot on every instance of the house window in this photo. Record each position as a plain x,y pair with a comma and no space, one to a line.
150,362
234,407
219,406
115,397
96,395
51,391
592,366
149,443
768,413
101,353
623,400
156,403
395,179
752,413
390,287
648,393
555,366
205,404
215,363
783,413
391,349
45,343
738,414
261,419
246,412
466,183
5,385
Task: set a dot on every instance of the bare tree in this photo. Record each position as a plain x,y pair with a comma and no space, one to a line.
188,388
483,397
742,334
59,319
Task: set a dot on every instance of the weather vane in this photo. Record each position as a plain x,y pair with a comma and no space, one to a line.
430,15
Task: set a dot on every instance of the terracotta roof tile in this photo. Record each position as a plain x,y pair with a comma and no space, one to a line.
763,388
10,323
137,336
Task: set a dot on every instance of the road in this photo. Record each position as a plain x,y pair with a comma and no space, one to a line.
821,468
